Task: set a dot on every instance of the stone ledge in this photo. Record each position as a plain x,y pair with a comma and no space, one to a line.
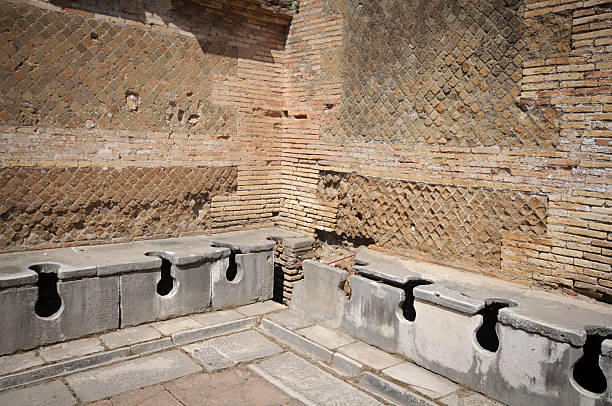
562,318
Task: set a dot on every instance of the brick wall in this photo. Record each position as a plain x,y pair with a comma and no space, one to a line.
470,133
96,94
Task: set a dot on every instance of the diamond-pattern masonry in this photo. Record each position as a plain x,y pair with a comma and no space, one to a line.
61,205
458,225
442,73
81,72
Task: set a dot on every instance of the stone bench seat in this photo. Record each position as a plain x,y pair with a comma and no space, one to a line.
515,344
65,293
562,318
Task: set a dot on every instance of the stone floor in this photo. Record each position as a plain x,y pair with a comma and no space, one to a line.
260,354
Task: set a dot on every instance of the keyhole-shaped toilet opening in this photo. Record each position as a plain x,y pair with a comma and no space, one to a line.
587,373
408,309
166,283
232,269
486,335
48,301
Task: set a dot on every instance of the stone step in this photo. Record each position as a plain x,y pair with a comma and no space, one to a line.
309,384
129,375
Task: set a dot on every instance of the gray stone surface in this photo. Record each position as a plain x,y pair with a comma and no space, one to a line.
255,309
132,374
129,336
141,303
328,338
319,295
70,263
253,240
308,383
151,346
22,329
289,319
606,348
383,268
448,298
390,391
421,380
295,341
120,258
13,276
346,366
371,313
185,250
70,349
245,346
467,398
217,317
224,352
209,356
254,280
186,337
61,368
172,326
370,356
47,394
557,317
18,362
454,349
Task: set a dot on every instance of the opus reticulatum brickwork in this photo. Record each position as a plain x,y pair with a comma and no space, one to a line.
470,133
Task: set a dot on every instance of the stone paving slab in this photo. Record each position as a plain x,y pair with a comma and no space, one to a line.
61,368
234,387
289,319
216,317
18,362
346,366
310,384
392,392
129,336
421,380
370,356
245,346
209,356
188,337
47,394
155,395
169,327
256,309
328,338
70,349
468,398
133,374
296,342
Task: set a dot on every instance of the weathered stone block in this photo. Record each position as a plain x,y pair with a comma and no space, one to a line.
371,313
242,279
146,297
87,306
320,294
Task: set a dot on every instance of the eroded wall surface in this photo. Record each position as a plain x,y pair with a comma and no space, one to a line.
470,133
144,119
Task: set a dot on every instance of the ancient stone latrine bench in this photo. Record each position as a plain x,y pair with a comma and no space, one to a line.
56,295
513,344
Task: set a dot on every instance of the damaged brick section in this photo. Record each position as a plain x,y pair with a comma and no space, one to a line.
462,226
49,206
